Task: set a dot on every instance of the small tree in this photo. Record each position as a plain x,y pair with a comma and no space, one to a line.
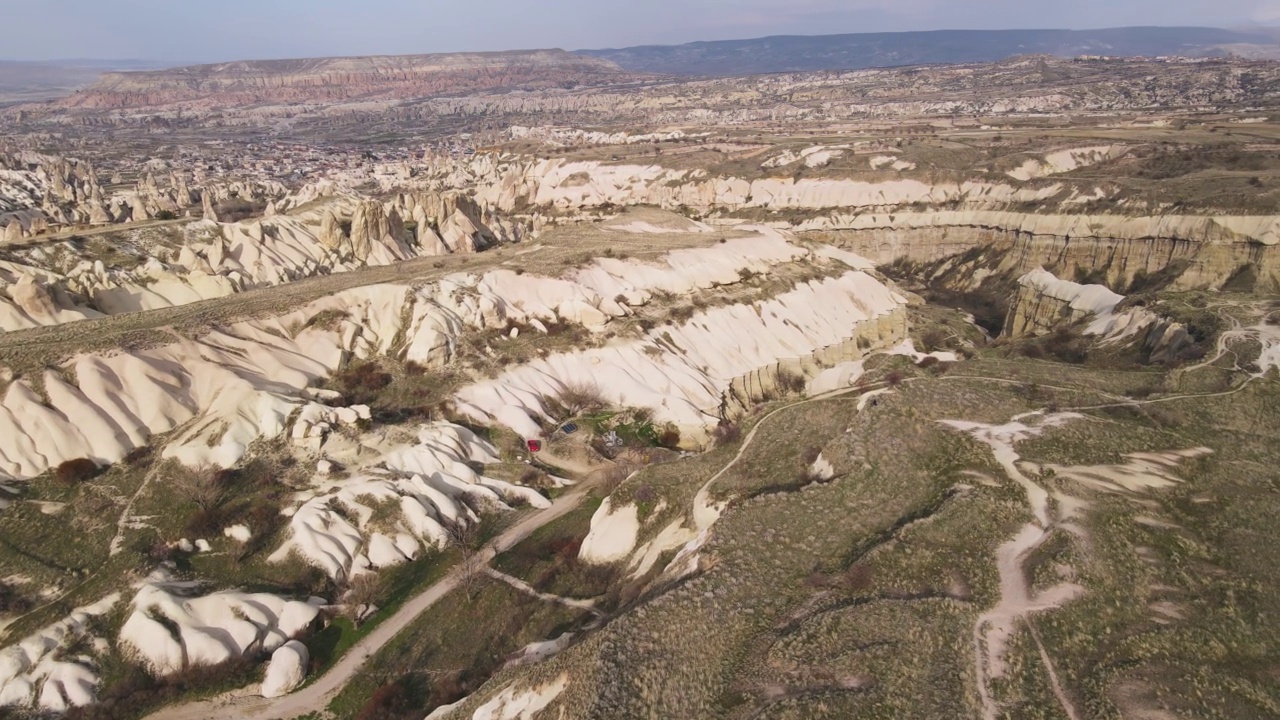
580,396
204,485
726,433
465,538
363,592
74,472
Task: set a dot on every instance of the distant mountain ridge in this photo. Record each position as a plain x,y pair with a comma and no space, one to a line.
35,80
784,53
339,79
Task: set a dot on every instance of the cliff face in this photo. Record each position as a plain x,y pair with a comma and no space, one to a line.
337,79
1191,252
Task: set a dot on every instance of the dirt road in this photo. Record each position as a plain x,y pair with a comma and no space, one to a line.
245,704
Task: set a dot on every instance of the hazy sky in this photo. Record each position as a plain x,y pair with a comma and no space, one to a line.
209,30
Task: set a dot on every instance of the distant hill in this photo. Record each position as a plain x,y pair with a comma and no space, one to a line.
22,81
782,53
339,79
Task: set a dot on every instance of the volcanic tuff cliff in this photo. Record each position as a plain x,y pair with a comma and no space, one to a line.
336,79
880,220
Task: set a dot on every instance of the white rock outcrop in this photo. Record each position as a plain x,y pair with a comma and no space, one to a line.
613,534
206,629
681,372
427,486
36,674
287,669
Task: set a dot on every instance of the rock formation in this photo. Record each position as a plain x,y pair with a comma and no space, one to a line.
287,669
336,79
206,201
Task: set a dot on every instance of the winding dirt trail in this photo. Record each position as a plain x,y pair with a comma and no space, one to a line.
246,704
994,628
705,512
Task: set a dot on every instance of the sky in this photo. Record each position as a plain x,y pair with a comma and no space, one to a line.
189,31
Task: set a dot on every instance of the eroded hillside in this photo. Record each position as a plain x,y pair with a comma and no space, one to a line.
935,392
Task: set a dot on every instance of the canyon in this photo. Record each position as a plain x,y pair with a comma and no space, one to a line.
527,385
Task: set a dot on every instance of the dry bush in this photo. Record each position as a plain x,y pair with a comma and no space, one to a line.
934,338
810,455
361,383
614,476
204,485
670,438
789,381
13,602
1067,345
206,522
580,396
364,591
726,433
136,692
74,472
392,701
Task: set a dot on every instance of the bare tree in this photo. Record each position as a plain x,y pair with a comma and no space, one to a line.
203,485
363,594
577,397
465,538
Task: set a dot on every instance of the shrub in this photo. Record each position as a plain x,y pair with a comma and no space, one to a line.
810,455
136,692
613,477
204,486
934,338
726,432
166,215
11,601
579,397
790,381
894,378
670,438
361,383
73,472
533,477
138,455
236,209
1067,346
206,522
363,591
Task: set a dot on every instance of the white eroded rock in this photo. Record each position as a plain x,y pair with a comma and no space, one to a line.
681,372
613,534
36,675
287,669
206,629
512,704
429,484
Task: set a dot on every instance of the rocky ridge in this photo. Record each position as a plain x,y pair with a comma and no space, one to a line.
338,79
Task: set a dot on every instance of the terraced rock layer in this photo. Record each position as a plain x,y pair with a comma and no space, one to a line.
337,79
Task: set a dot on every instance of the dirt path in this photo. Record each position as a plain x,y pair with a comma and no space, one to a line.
994,628
245,704
705,512
528,589
117,542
